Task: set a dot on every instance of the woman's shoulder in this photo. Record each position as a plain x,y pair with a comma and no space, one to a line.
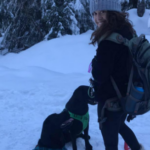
108,49
111,44
107,44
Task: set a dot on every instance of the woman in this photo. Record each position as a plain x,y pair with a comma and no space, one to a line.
111,60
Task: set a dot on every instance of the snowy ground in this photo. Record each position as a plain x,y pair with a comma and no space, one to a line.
40,80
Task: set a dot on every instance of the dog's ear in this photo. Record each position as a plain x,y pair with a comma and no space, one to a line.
67,124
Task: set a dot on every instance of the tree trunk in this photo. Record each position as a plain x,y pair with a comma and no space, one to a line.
141,8
135,3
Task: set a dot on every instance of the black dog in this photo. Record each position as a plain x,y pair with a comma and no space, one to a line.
58,129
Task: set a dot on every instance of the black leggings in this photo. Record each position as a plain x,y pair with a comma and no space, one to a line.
115,124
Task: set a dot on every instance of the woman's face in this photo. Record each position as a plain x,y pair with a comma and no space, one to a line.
99,17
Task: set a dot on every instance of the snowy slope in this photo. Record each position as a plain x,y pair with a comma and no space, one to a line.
40,80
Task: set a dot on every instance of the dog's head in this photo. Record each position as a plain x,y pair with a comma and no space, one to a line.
79,101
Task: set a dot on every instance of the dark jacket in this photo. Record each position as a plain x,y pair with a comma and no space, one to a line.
111,60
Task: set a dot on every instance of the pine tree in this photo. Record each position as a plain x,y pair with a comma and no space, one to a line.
62,19
133,3
6,14
24,29
69,20
125,5
83,16
147,4
26,23
50,16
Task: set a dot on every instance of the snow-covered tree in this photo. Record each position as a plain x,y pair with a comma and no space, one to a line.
147,4
134,3
27,22
128,4
83,15
125,5
6,14
25,28
60,18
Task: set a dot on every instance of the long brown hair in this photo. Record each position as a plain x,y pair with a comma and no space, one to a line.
115,21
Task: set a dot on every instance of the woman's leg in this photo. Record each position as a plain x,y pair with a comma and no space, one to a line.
110,128
114,125
109,132
129,136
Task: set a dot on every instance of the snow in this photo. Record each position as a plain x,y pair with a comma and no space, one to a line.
39,81
79,6
140,23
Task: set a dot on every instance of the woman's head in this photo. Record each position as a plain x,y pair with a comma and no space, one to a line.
99,17
99,8
108,17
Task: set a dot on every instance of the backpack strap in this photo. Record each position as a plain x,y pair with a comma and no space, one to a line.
116,88
116,38
130,80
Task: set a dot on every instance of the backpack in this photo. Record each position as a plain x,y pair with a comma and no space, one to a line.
137,99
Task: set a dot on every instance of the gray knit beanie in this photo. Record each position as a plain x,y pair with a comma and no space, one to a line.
98,5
